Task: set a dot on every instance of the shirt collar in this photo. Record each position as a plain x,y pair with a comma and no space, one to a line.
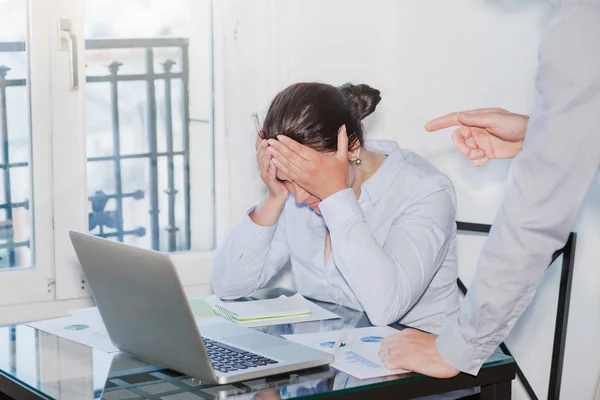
374,188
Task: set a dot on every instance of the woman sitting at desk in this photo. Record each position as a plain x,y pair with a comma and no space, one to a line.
368,225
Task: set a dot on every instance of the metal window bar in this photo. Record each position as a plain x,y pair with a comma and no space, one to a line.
103,222
171,191
153,145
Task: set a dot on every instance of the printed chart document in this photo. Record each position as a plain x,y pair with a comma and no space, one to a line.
85,328
359,356
274,307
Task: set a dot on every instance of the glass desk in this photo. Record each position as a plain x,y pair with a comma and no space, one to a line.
38,365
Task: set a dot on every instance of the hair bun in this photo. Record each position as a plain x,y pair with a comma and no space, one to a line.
364,97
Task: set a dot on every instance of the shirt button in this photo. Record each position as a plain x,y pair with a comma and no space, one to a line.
479,361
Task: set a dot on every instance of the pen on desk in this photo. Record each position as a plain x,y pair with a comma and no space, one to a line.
341,340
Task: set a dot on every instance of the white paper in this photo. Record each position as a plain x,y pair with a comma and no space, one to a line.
86,329
317,313
359,357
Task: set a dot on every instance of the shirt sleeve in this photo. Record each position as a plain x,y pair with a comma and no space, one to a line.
389,278
548,183
250,256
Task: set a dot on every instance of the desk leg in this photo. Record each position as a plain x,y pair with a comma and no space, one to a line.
497,391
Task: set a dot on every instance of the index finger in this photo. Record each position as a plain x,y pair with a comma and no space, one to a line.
451,119
303,151
446,121
280,150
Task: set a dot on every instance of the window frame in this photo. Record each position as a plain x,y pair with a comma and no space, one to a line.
59,165
69,161
193,266
35,284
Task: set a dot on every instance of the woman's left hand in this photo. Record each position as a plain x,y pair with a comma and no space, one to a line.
317,173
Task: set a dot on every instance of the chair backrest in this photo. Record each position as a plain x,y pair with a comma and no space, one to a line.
562,314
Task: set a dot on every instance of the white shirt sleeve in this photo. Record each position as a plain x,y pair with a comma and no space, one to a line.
249,258
389,278
548,183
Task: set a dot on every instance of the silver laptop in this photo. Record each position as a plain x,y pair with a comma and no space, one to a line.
147,314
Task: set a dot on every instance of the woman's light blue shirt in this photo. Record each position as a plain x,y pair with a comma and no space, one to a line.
393,249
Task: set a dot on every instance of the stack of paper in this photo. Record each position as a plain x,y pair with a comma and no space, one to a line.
250,311
282,310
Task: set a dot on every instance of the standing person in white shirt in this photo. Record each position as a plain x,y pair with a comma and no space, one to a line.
558,156
363,223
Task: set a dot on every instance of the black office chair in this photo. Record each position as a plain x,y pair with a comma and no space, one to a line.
562,315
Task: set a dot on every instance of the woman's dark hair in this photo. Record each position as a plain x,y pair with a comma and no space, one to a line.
312,113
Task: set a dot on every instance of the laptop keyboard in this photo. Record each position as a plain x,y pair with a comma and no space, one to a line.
225,358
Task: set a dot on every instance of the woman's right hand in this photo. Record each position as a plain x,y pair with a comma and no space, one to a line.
268,171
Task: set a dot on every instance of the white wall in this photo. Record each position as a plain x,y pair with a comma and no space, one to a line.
427,57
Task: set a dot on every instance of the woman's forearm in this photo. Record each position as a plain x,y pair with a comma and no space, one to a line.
268,211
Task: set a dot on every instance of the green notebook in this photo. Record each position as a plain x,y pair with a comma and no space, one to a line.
248,311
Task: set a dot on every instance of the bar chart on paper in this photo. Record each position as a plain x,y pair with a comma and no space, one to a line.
354,358
358,356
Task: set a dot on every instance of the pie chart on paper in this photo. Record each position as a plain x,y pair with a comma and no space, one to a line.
77,327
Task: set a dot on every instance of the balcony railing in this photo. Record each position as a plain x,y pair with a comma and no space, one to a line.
109,223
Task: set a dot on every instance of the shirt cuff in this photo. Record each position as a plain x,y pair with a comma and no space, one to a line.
458,352
341,209
253,235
